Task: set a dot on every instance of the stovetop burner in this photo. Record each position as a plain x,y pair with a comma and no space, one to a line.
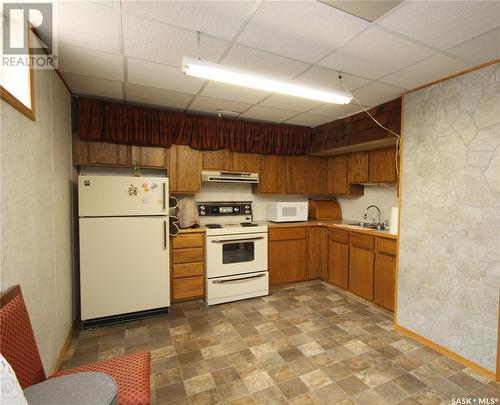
245,224
213,226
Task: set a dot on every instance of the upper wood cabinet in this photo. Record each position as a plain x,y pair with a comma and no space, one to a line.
246,162
287,255
358,166
361,265
296,174
338,258
185,169
382,166
317,169
317,253
218,160
271,174
149,157
336,180
385,273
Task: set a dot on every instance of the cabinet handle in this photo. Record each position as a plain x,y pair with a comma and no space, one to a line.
235,280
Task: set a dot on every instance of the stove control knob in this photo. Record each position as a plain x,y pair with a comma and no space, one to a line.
202,213
247,211
236,209
247,207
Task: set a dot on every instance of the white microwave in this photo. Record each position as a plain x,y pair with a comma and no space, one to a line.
286,211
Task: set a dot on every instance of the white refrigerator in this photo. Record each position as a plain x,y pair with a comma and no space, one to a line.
124,248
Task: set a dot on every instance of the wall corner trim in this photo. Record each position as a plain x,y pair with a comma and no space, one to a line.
446,352
64,349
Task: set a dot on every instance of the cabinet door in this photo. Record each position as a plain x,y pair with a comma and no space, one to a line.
317,173
338,258
80,151
357,170
246,162
108,154
385,280
149,157
336,182
218,160
383,165
317,253
361,264
271,174
296,174
185,168
287,261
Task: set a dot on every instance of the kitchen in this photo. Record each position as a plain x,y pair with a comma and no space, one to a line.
258,246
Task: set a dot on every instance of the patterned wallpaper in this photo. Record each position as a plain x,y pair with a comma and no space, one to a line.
449,258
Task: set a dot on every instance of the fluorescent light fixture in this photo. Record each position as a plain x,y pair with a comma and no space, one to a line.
220,73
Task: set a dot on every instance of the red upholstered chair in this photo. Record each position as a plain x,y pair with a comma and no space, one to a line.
18,346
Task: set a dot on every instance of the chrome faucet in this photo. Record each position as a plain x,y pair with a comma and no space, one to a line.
366,213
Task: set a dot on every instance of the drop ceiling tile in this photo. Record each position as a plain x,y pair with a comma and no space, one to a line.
149,40
90,63
290,103
156,97
369,10
161,76
375,94
88,25
268,114
375,53
260,62
211,105
481,49
233,93
303,30
443,24
309,120
219,18
434,68
335,111
328,79
94,87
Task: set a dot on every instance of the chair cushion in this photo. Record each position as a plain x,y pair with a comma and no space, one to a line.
75,389
131,373
17,343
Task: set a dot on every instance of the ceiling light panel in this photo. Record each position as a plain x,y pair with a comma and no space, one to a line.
303,30
160,43
88,25
375,53
161,76
443,24
233,93
94,87
158,97
90,63
218,18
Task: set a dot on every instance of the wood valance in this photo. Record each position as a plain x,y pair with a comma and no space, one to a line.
104,121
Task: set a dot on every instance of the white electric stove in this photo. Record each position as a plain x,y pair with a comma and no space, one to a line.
236,252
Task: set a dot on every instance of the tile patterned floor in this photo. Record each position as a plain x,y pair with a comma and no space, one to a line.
306,343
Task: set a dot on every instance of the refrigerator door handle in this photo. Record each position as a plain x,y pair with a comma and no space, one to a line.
164,185
165,235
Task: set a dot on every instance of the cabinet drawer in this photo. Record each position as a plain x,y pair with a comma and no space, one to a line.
387,246
188,240
362,241
188,287
187,269
287,233
339,235
187,255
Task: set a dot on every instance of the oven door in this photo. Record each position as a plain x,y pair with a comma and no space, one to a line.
228,255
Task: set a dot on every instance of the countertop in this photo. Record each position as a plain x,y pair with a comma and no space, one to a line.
341,224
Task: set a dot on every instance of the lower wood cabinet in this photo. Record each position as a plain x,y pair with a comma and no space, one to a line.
188,266
317,253
385,273
361,265
338,258
287,256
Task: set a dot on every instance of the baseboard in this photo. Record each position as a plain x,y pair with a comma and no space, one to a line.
63,350
444,351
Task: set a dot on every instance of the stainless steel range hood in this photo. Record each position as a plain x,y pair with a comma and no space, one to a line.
229,177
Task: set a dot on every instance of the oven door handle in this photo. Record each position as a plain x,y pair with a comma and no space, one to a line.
236,240
235,280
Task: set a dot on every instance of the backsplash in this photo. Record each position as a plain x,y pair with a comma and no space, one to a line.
384,197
